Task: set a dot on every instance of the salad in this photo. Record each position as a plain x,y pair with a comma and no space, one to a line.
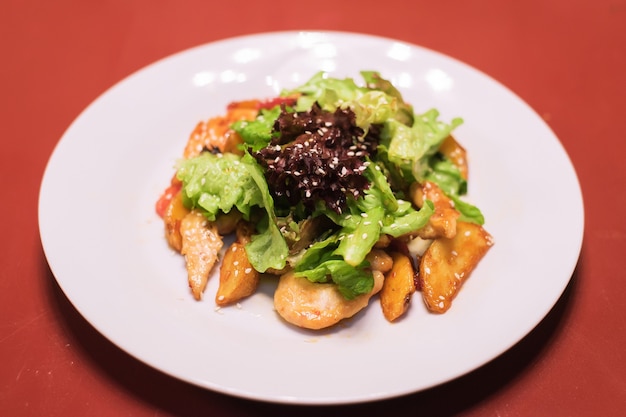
340,191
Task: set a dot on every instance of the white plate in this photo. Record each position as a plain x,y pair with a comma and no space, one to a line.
105,244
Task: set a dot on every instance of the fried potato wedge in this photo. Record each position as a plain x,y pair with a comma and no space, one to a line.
201,244
238,279
379,260
398,287
442,223
173,216
447,263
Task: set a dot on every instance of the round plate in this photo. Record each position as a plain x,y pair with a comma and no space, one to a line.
105,244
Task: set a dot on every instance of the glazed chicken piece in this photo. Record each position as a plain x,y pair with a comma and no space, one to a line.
200,245
317,305
216,132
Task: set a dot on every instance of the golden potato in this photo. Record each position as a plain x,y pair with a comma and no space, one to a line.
238,279
447,263
379,260
174,214
398,287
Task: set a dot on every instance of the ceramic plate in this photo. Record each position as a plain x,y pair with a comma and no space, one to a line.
105,244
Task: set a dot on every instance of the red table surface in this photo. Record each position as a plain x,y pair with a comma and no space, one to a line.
567,59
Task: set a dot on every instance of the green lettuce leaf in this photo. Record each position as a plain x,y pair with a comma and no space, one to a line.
351,281
217,183
446,175
268,249
469,212
257,133
409,147
321,264
374,103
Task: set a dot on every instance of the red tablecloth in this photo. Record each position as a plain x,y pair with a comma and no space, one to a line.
567,59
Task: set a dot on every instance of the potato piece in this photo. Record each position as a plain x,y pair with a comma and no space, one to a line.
379,260
226,223
447,263
398,287
200,246
174,214
244,231
238,279
442,223
456,153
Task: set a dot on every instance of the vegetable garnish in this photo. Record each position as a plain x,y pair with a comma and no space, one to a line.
330,187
